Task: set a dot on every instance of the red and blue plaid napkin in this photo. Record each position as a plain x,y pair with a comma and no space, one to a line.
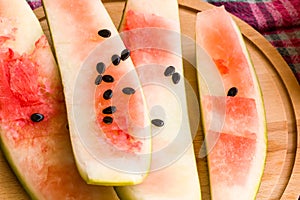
34,3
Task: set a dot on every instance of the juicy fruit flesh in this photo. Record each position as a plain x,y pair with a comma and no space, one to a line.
39,152
151,58
235,124
142,31
79,49
154,43
229,158
232,146
23,90
229,57
126,116
237,115
90,38
138,20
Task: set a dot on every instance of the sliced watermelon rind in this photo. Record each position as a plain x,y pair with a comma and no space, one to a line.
89,21
85,124
124,193
259,101
35,33
255,80
262,136
38,157
16,171
177,179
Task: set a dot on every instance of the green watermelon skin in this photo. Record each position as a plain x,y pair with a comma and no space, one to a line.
39,153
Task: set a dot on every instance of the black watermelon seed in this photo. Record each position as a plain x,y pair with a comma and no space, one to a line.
158,122
107,120
98,80
108,78
67,126
109,110
125,54
115,59
108,94
37,117
176,78
232,92
100,67
128,90
104,33
169,71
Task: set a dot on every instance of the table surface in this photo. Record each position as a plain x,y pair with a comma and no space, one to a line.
281,93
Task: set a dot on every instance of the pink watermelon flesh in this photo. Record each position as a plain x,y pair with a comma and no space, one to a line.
230,158
152,57
99,146
117,133
135,19
228,56
127,116
23,89
136,35
237,115
41,151
150,38
138,28
231,149
236,146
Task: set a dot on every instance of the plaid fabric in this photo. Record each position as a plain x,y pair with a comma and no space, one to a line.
287,42
277,20
34,3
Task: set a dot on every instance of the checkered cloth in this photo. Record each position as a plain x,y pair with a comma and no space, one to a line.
277,20
34,3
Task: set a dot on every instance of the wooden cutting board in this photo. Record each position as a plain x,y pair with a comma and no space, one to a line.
281,92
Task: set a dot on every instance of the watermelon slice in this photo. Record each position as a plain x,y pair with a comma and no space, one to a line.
151,31
233,112
107,115
33,119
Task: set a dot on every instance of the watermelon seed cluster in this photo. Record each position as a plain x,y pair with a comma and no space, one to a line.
100,68
170,71
116,59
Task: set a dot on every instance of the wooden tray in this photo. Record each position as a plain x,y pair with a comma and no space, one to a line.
281,92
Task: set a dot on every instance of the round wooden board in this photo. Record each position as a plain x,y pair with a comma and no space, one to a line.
281,92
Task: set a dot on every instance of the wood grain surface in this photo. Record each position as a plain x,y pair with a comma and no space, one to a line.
281,93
